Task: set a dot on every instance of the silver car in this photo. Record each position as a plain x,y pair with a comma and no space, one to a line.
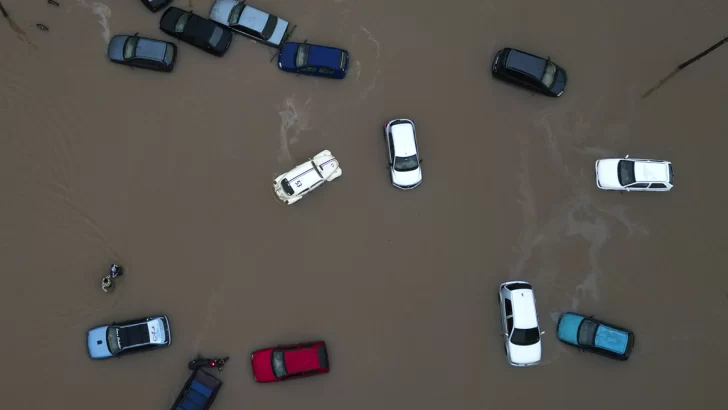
249,21
142,52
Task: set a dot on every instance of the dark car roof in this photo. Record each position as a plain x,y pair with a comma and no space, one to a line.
322,56
151,49
527,63
198,27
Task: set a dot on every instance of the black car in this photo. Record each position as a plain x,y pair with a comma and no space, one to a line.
155,5
142,52
195,30
529,71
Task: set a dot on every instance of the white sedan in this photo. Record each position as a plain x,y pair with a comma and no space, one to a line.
404,157
291,186
249,21
630,174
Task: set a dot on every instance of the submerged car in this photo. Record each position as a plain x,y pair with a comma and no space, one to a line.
193,29
629,174
133,336
288,362
312,59
521,333
142,52
404,156
155,5
595,336
294,184
249,21
529,71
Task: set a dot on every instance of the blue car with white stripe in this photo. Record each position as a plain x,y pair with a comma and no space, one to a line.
592,335
312,59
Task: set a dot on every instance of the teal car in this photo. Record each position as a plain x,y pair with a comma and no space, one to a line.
592,335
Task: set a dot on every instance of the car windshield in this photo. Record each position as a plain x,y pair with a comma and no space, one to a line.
216,36
181,23
235,14
525,337
626,172
279,364
130,47
287,188
270,26
549,74
404,164
587,331
302,55
112,339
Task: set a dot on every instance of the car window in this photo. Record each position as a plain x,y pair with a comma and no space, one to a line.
216,36
525,337
130,47
270,27
391,147
640,185
509,325
625,173
327,71
302,55
279,364
658,186
181,23
235,14
308,70
549,74
509,307
112,339
587,332
287,188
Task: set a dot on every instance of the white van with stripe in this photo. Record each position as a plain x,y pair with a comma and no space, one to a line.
294,184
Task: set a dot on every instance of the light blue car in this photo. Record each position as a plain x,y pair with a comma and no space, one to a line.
132,336
587,333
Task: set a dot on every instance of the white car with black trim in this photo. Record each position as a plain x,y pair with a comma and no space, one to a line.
521,333
404,156
133,336
249,21
631,174
294,184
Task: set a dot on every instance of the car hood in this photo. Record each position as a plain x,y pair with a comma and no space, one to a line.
408,178
287,55
262,366
559,84
95,349
607,173
279,32
220,11
569,327
524,355
116,48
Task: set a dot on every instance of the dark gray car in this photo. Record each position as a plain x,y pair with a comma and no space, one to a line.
142,52
529,71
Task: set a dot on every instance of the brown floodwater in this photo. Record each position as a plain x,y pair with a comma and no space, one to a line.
169,175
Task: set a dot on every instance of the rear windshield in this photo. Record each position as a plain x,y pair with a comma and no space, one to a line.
525,337
287,188
302,55
130,47
216,36
112,339
270,26
549,74
235,14
404,164
342,65
670,171
279,364
626,172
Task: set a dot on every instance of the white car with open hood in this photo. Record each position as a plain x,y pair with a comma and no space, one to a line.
291,186
630,174
132,336
249,21
404,155
521,333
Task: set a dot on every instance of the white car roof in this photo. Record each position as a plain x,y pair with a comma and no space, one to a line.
403,137
648,171
305,174
524,309
253,18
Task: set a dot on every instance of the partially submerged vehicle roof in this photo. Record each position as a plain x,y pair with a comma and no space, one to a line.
253,18
198,393
302,360
151,49
324,56
306,174
403,137
525,62
648,171
524,309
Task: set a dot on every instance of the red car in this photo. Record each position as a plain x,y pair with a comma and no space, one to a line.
287,362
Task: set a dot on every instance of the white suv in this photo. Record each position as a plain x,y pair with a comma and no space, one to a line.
294,184
521,332
629,174
404,157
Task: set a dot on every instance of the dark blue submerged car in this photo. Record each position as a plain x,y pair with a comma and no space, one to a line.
311,59
595,336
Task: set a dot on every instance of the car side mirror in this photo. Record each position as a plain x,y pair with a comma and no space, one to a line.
543,332
626,156
421,161
627,189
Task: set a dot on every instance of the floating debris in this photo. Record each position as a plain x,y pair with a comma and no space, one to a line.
42,27
107,283
53,2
